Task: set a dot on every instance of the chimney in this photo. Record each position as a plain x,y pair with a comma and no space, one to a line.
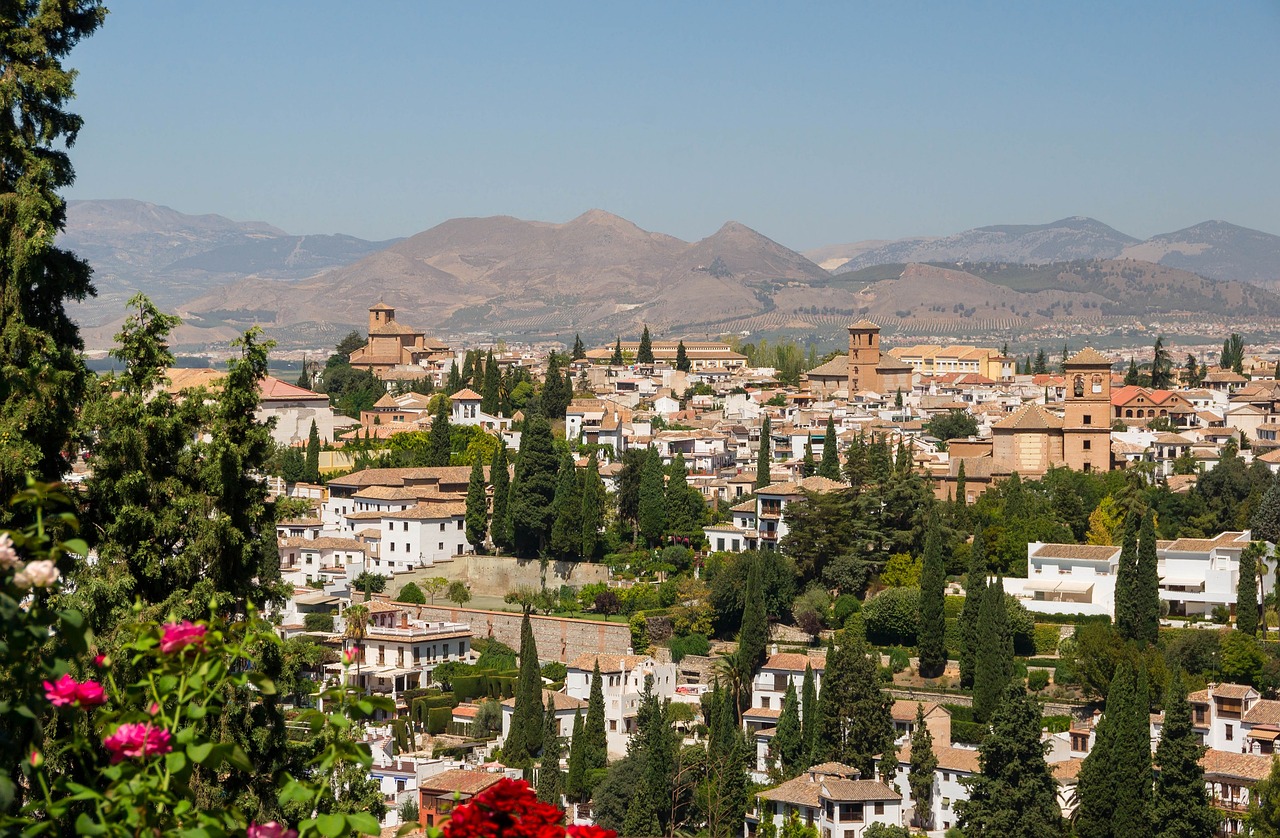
773,649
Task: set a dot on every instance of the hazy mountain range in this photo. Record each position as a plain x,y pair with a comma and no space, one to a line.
1214,249
601,275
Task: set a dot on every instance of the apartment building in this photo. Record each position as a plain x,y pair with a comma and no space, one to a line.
760,524
623,680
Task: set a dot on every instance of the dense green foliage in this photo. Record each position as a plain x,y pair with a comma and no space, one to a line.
1180,805
931,640
855,722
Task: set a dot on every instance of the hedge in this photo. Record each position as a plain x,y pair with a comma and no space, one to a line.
969,733
1046,638
471,687
438,719
953,606
1074,619
1057,724
1037,679
961,712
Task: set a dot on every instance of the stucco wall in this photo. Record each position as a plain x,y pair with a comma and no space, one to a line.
496,575
558,638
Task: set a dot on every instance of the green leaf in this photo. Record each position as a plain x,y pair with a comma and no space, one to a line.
76,546
239,759
336,719
200,753
264,684
364,822
331,825
175,761
195,832
293,792
196,711
86,826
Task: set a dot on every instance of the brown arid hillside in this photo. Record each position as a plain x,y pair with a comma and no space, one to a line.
596,274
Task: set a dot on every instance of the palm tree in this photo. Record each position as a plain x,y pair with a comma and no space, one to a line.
727,671
357,618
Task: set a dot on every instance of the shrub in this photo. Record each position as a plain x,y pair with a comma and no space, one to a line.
494,655
952,607
318,621
1046,639
438,719
639,634
1037,679
693,644
1057,724
554,671
607,603
845,605
899,659
892,617
969,733
412,594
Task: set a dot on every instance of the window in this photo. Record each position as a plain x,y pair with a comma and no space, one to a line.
1088,445
1231,733
441,547
446,650
1088,419
393,546
613,725
442,526
764,702
406,547
406,526
879,807
459,527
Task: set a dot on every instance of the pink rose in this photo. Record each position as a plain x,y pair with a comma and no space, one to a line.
37,759
8,556
271,829
349,656
178,636
63,692
39,574
90,694
137,740
101,661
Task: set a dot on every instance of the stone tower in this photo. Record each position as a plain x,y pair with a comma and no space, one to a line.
380,314
1086,426
864,356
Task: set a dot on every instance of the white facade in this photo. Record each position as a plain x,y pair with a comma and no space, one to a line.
622,681
764,525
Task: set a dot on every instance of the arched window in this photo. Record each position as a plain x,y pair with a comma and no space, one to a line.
1128,414
1078,386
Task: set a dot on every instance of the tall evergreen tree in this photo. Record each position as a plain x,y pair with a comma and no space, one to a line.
525,737
1131,376
753,639
616,359
993,657
454,382
491,390
855,716
1161,365
722,795
566,531
1097,788
1131,763
534,487
829,467
596,752
644,354
1127,593
500,477
311,473
1265,522
684,503
1015,796
579,351
550,778
924,762
808,714
1180,804
788,739
808,467
931,639
975,589
1041,365
1247,608
682,358
1148,583
593,499
439,438
42,375
764,456
555,396
652,510
477,510
575,784
654,746
468,373
962,487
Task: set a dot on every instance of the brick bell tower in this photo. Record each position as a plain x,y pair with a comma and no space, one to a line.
1086,426
864,356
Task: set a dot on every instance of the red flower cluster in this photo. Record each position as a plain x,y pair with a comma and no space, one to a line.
66,692
510,809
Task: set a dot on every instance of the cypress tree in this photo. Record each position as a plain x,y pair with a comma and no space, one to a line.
1015,796
568,386
754,635
1247,590
500,477
1127,580
1180,804
962,487
616,359
439,442
808,714
924,762
855,716
468,368
788,740
312,471
555,396
684,504
477,511
829,467
1265,522
654,747
807,465
1131,376
644,354
575,784
1131,761
525,737
857,467
763,458
993,657
1096,789
653,502
931,641
550,780
566,532
491,392
682,358
593,498
453,383
596,751
579,351
534,488
975,589
1148,584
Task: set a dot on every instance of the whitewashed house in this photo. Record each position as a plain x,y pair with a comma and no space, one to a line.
622,682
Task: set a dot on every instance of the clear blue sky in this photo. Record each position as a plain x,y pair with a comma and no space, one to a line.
814,123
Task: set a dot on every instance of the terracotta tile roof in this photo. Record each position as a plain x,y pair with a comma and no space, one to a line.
326,543
904,710
466,394
949,759
1068,769
561,701
837,367
461,781
1089,357
811,484
795,661
1233,691
429,512
1248,767
745,506
837,769
762,713
864,324
385,493
1264,712
1086,552
1032,417
857,790
274,388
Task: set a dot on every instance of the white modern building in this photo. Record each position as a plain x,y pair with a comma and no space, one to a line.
1196,575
